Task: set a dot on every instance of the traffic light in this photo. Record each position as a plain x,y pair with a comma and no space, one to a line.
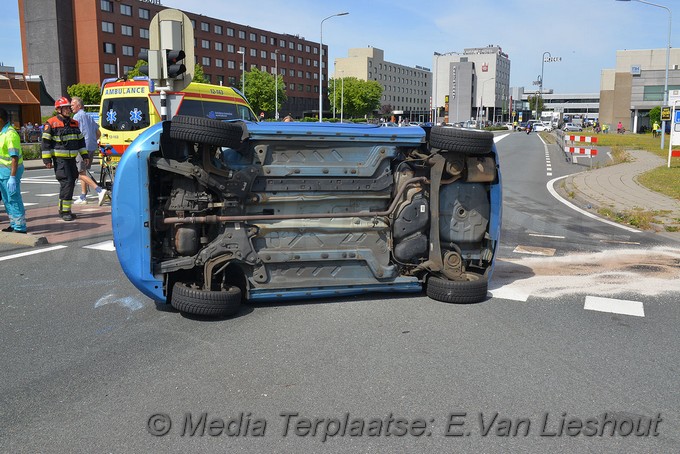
174,68
153,67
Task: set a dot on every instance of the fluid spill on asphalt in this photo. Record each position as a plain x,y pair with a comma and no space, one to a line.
646,272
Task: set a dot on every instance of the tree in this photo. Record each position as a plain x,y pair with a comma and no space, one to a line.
360,97
533,101
260,88
199,75
89,93
655,115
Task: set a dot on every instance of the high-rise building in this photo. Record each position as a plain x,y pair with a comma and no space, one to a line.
86,41
406,90
474,84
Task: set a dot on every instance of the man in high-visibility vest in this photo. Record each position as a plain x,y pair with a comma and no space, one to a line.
62,141
11,170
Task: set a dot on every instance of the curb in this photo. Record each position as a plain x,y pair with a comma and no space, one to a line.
23,239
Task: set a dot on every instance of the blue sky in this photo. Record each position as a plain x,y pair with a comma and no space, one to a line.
584,33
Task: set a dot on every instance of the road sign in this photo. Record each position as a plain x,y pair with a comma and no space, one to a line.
666,113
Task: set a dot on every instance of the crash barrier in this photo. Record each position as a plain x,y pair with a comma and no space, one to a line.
571,149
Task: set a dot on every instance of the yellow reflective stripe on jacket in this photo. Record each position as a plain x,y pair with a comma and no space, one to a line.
47,154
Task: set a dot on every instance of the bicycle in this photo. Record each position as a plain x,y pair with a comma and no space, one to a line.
109,162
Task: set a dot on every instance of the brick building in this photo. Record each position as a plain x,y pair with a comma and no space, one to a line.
86,41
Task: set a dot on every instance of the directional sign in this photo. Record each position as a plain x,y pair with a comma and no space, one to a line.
552,59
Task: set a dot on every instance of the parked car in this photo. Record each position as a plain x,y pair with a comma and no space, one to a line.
571,127
542,126
207,213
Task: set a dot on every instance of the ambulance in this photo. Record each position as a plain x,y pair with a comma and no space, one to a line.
129,107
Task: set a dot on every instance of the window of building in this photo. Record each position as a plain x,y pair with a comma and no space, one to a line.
230,48
253,52
107,27
292,87
193,24
127,68
263,39
219,63
263,54
220,79
308,75
316,50
231,64
263,68
299,60
205,61
291,59
307,48
205,44
143,13
299,74
107,5
272,41
230,31
109,48
291,45
126,10
205,27
126,30
128,51
253,37
109,68
299,47
282,43
242,34
144,33
218,46
300,87
217,29
316,64
291,72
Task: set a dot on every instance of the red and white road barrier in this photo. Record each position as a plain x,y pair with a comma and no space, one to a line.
585,151
588,139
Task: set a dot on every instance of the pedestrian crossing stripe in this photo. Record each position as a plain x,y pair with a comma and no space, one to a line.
103,246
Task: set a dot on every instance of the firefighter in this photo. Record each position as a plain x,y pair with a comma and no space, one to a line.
62,141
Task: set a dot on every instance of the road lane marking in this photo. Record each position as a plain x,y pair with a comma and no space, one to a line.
25,254
544,251
559,237
614,306
103,246
554,193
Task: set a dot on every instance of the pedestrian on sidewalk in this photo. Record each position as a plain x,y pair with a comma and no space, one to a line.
91,133
11,170
62,141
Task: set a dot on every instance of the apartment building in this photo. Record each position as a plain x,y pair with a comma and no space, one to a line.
406,90
86,41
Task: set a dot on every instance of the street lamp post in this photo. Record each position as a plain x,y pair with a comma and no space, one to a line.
481,99
243,71
276,84
668,58
321,63
334,94
342,96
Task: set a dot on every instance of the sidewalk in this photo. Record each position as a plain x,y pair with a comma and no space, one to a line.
615,187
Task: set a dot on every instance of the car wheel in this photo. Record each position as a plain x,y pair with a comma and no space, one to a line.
206,130
468,291
470,141
205,302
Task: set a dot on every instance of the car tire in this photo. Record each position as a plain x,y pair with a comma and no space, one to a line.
469,291
205,302
206,130
460,140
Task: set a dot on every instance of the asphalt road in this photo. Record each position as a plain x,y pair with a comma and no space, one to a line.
90,365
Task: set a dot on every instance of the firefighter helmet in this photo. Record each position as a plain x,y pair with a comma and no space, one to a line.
62,102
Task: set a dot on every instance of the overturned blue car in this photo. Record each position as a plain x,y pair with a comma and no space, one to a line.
209,214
